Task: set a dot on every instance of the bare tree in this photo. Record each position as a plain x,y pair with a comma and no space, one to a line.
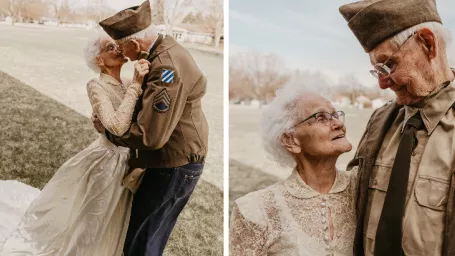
240,85
351,86
20,9
213,19
15,8
264,72
62,9
98,11
65,11
193,18
158,11
13,5
35,9
171,11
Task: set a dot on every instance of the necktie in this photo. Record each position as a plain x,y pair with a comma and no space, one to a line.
389,232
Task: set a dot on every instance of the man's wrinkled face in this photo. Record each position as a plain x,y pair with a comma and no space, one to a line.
411,74
131,49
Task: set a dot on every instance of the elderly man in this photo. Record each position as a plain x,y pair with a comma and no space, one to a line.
406,157
169,133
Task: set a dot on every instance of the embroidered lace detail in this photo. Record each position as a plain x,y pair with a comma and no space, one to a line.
291,217
113,104
247,237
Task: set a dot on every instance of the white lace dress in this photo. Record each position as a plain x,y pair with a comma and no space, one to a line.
84,209
290,218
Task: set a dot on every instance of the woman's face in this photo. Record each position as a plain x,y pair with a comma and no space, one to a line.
110,55
318,136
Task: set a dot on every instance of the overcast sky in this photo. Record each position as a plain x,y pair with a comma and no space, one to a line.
308,34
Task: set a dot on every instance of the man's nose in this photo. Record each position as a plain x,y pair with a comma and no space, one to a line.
384,81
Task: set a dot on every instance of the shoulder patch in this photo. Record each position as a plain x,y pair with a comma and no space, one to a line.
162,101
167,76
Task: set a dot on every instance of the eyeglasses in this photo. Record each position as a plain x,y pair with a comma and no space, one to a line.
112,47
385,68
324,117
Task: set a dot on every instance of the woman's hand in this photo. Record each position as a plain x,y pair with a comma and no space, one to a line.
141,68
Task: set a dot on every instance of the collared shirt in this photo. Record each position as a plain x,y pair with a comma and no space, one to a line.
120,87
431,167
291,218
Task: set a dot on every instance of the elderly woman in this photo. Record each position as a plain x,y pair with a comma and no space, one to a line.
84,210
310,213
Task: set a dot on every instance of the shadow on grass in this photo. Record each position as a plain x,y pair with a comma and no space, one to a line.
38,135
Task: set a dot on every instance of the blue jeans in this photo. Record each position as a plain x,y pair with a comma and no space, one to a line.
156,205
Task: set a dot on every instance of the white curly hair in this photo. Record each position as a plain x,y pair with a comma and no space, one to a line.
280,116
93,49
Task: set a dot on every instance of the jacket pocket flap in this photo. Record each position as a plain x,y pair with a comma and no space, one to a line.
380,177
431,192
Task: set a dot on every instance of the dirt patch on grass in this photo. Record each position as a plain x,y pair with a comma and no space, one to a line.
38,135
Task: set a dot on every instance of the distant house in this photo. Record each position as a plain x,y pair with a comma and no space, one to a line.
178,33
341,101
188,33
362,102
198,34
48,21
378,102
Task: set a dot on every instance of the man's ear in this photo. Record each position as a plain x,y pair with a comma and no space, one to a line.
135,44
428,40
291,143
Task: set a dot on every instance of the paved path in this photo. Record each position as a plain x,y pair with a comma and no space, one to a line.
50,59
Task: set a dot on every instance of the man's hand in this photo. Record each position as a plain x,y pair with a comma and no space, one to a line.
97,124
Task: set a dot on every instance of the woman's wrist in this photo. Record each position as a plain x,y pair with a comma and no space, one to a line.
136,88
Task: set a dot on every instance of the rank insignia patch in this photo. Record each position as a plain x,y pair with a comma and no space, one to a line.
167,76
162,102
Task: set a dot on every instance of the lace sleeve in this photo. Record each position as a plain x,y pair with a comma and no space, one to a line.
127,81
247,237
115,121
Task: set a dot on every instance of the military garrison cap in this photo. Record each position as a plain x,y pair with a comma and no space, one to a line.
128,21
374,21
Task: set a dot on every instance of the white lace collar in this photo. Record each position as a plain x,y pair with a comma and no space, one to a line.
109,79
295,185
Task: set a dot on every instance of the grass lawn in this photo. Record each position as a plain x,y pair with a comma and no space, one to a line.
244,179
38,135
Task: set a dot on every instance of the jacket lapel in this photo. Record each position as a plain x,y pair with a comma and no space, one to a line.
368,148
167,43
